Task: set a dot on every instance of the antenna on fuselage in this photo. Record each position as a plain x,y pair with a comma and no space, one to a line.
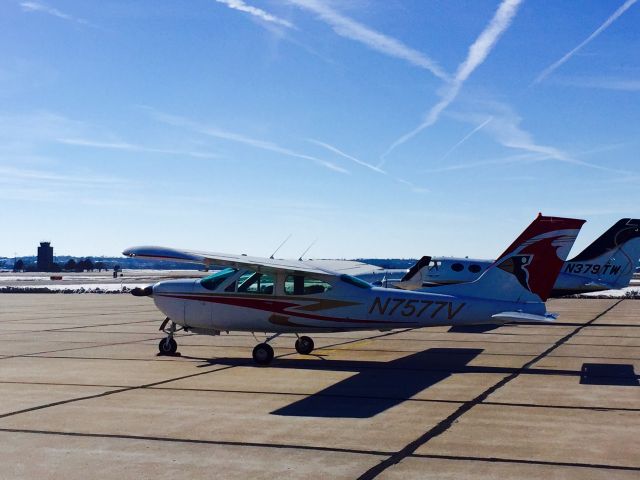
308,248
280,246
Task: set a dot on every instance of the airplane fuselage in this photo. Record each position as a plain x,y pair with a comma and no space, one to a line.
345,308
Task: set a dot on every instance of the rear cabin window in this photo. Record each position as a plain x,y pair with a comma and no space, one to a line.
256,283
475,268
303,285
213,281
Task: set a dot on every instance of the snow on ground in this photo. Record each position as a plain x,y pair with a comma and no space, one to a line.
633,290
110,287
94,282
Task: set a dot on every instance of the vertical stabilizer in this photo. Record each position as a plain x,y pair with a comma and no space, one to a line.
527,270
611,259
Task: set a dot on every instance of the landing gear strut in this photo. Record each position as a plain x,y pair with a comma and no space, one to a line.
168,346
304,345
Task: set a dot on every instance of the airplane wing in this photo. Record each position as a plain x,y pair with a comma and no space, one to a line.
350,267
524,317
229,260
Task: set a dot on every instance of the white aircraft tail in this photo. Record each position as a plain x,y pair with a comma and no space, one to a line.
527,270
611,259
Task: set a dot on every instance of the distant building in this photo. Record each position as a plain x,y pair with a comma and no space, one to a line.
45,257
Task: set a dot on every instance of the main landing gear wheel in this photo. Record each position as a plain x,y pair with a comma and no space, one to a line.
167,346
304,345
263,354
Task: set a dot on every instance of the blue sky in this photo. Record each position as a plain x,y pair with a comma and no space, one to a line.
382,129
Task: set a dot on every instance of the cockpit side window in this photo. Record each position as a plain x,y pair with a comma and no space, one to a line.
213,281
302,285
434,265
256,283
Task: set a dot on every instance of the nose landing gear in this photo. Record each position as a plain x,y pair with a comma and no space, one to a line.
168,345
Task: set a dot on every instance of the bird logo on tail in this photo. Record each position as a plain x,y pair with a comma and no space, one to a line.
533,263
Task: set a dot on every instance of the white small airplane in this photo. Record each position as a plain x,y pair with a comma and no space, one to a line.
283,296
607,264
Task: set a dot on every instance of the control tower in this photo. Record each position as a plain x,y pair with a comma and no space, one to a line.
45,257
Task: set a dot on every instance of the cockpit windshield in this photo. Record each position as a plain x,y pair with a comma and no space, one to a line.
356,282
213,281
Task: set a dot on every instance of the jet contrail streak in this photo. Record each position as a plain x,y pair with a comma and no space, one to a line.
239,138
348,28
547,71
345,155
466,137
478,53
256,12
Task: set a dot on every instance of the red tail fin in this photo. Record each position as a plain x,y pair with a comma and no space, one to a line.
536,257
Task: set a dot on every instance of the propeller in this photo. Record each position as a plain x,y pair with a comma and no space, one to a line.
142,292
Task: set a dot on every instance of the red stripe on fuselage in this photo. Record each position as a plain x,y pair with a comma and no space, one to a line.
274,306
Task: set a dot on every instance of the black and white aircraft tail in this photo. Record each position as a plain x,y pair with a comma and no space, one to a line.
412,280
610,261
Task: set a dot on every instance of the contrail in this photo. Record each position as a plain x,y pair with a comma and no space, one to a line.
256,12
41,7
345,155
466,137
546,72
478,52
81,142
348,28
212,131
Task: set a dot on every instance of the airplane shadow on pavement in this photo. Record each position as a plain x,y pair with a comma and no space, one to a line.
608,374
474,328
378,386
373,390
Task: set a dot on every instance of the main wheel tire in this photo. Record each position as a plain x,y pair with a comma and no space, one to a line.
167,346
304,345
263,354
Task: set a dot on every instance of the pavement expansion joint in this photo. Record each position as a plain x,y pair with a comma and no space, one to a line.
445,424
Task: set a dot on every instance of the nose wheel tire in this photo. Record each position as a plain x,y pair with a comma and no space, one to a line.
304,345
263,354
167,346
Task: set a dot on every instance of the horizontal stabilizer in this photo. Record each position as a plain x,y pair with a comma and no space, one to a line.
524,317
600,286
